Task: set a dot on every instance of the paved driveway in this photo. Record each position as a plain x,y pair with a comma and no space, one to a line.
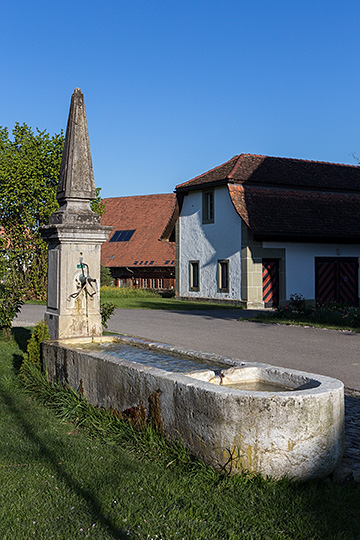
328,352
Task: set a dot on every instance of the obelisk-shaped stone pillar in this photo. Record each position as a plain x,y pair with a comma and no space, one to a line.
74,237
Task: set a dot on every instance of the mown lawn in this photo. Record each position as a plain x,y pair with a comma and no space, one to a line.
128,298
81,480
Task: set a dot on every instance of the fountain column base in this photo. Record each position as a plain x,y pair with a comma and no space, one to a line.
73,305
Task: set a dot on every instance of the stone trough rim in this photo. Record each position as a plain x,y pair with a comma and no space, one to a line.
326,384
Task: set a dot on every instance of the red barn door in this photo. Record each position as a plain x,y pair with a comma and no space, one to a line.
270,279
336,280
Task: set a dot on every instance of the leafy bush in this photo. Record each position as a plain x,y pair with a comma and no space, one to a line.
168,294
32,356
105,276
332,314
297,306
10,305
298,303
106,310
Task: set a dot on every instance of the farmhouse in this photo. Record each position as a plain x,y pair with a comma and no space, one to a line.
258,229
133,251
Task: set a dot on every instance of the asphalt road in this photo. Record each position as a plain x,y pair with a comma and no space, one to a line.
328,352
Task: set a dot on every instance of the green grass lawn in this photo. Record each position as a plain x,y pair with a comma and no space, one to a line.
81,479
128,298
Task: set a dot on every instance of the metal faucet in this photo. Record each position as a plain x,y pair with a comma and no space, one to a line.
85,280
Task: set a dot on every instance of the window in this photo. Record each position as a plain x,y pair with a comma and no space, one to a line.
122,236
194,275
223,276
208,206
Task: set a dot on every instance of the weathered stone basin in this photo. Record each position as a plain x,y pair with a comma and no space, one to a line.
295,428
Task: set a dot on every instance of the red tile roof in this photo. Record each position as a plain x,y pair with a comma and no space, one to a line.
274,171
288,213
289,198
148,215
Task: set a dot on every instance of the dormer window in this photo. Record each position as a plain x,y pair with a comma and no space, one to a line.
208,206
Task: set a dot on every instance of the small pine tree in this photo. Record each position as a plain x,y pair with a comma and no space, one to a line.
33,353
106,279
10,305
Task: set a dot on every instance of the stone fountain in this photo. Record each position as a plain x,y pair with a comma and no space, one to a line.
293,426
74,236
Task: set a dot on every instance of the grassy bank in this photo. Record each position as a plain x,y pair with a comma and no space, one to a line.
70,471
128,298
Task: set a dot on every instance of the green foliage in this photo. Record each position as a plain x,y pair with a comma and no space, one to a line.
297,306
98,205
105,276
106,310
168,294
29,174
331,315
32,356
10,305
29,170
298,303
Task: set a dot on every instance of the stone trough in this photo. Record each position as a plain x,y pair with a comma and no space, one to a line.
234,415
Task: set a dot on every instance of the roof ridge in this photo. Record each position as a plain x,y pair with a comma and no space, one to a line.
304,160
138,196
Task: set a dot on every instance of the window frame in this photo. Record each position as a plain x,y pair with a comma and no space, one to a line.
223,263
194,285
208,207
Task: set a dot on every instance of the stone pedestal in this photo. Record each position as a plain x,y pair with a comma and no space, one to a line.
73,305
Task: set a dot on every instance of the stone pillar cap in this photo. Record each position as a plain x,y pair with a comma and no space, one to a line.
76,171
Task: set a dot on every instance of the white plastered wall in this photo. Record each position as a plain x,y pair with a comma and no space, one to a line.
209,243
300,263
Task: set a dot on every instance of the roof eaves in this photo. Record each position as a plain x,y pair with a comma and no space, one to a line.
198,180
314,238
166,233
202,186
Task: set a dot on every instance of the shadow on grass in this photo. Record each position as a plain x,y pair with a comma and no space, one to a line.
49,456
195,309
21,336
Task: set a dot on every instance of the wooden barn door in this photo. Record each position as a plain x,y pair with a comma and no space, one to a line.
336,280
270,279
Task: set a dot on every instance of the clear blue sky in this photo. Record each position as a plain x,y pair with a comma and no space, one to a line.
174,88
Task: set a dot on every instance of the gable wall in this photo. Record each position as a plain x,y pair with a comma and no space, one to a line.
209,243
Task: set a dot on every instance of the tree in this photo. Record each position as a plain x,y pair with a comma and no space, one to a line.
106,279
98,205
29,171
